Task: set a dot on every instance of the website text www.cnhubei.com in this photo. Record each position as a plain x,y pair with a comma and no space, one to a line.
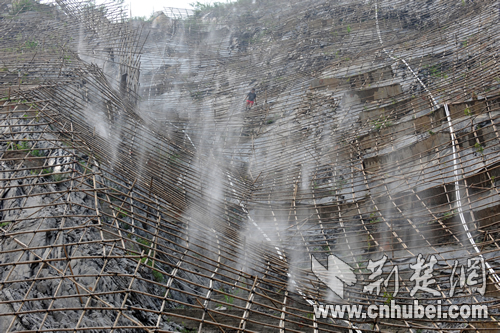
402,311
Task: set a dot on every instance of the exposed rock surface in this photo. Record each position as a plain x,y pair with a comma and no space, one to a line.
138,194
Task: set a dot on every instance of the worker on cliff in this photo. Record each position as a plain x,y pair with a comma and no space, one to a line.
251,98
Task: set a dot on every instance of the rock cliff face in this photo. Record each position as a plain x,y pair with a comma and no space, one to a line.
137,194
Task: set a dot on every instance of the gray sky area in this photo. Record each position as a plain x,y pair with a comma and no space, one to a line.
146,7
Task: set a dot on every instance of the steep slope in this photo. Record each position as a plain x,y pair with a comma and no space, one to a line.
138,194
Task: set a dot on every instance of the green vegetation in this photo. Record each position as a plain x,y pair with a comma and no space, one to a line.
16,101
147,261
368,242
145,244
122,214
467,112
431,132
374,218
131,253
91,5
44,172
84,165
58,177
339,184
24,145
479,148
37,153
4,224
448,215
21,6
388,298
348,29
158,277
228,299
217,7
362,266
436,72
382,122
258,37
197,95
31,45
199,6
174,159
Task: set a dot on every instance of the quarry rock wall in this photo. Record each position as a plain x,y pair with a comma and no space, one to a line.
139,194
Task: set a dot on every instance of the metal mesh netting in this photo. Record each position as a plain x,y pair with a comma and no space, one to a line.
138,194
